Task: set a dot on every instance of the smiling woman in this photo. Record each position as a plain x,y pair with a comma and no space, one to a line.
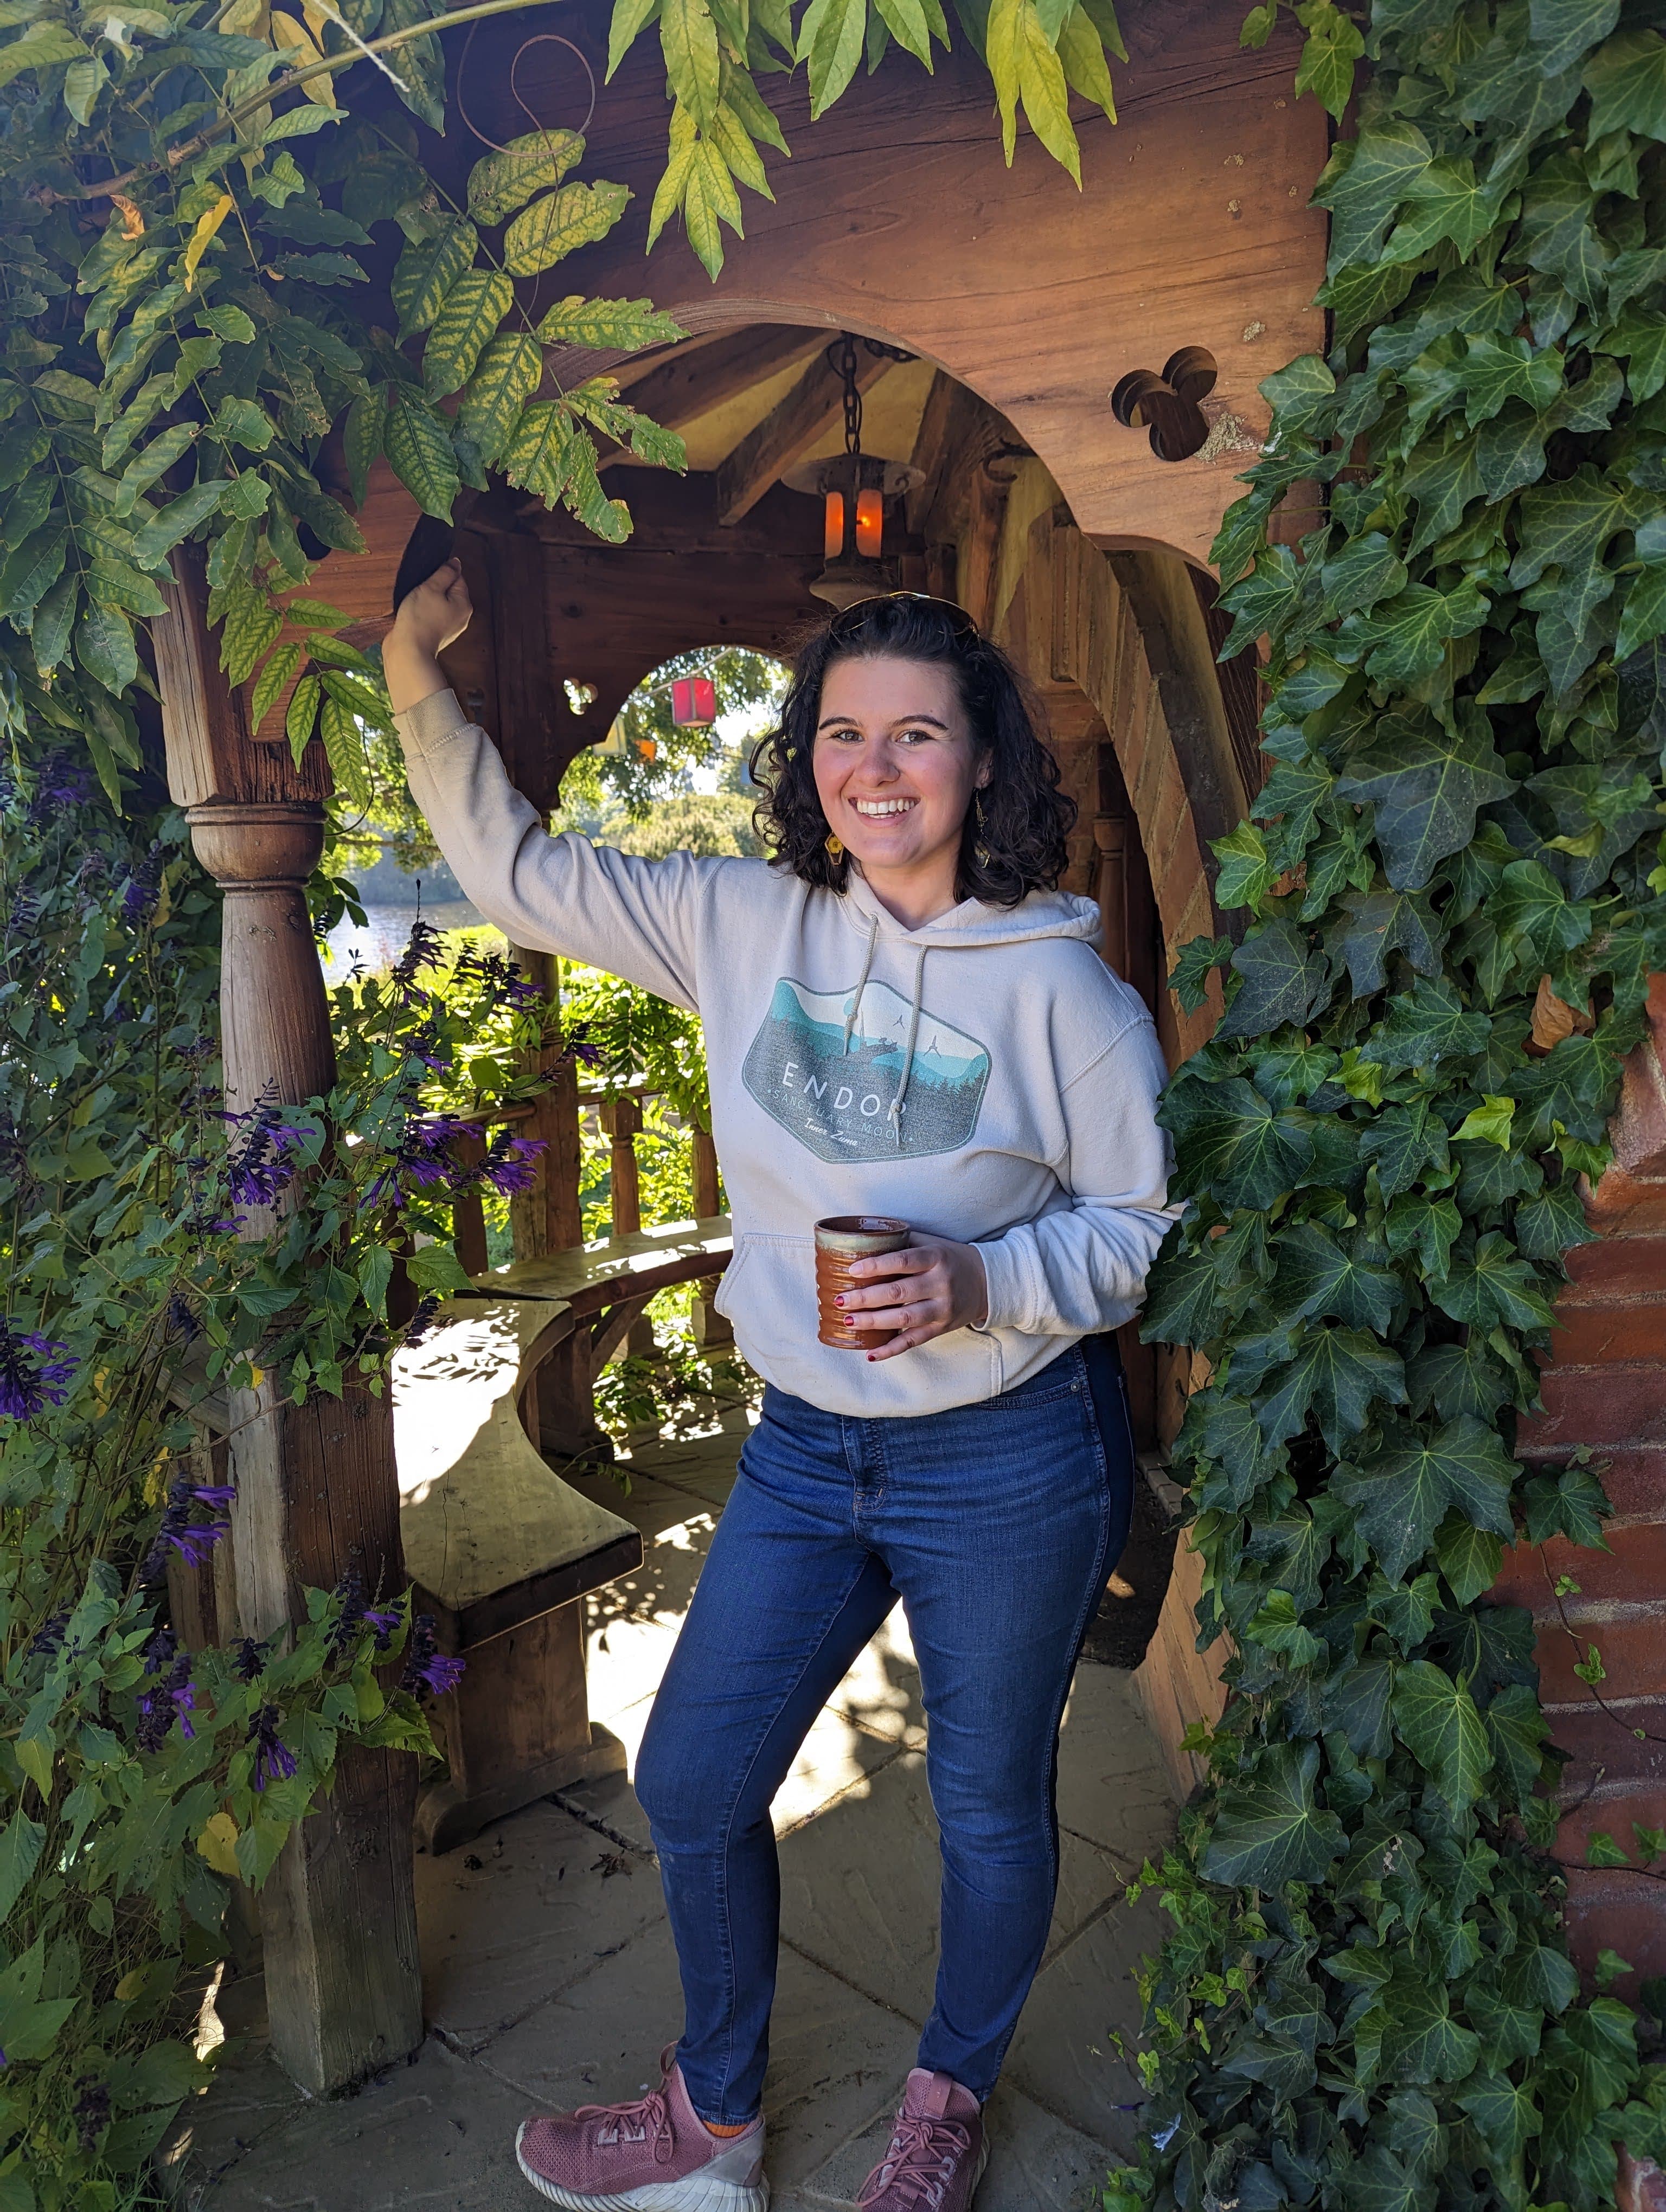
904,1019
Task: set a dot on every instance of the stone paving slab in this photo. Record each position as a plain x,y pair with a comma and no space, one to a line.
528,1908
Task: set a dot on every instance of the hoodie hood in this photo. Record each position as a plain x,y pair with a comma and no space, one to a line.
971,924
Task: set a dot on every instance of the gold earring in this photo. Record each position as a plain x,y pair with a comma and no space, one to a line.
835,849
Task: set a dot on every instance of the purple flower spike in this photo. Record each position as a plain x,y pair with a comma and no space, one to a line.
509,1164
215,1493
181,1531
31,1375
427,1668
442,1673
274,1760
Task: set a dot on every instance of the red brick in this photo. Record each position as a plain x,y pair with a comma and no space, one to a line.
1610,1910
1605,1742
1616,1266
1600,1334
1633,1647
1639,2185
1634,1567
1599,1405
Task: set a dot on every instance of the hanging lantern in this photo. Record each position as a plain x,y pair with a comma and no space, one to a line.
693,703
853,488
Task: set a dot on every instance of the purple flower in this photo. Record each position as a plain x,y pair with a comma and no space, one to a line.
258,1164
577,1046
138,895
170,1697
183,1530
382,1623
499,979
422,1157
181,1321
274,1760
421,950
48,1640
31,1377
509,1165
427,1668
248,1659
357,1614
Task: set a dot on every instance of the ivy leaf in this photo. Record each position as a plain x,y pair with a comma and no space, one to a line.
509,372
475,304
1428,785
1422,2041
1275,1626
1431,1025
1338,1374
1497,368
1572,1504
1270,1828
1182,1300
1239,1149
1401,1142
1363,185
557,225
1282,980
1492,1284
1510,452
1562,30
506,179
1357,1701
1555,233
1246,873
1506,2114
1445,202
1372,924
1332,45
1406,636
425,272
1315,1276
1194,962
1469,1558
1365,569
1378,2182
1626,82
1518,1731
1401,1491
419,453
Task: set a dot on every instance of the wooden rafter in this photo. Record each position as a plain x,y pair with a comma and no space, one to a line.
788,432
685,386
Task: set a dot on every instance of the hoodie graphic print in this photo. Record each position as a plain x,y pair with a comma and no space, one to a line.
985,1077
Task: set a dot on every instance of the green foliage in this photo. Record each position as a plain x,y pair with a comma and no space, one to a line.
188,234
1037,53
647,758
1451,887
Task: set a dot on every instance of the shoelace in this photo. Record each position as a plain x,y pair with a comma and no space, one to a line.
920,2162
633,2124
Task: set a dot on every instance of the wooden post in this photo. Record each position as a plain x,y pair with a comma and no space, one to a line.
316,1491
712,1332
468,1218
546,1219
622,1118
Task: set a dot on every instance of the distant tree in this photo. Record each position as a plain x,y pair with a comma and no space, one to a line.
656,760
717,823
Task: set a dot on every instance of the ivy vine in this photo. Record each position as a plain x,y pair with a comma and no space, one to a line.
1452,887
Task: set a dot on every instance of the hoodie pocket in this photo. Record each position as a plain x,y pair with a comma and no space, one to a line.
769,1290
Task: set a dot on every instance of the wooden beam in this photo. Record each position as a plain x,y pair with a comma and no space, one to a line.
688,384
789,431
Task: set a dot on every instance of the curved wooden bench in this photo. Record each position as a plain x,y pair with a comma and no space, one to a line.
501,1549
606,1286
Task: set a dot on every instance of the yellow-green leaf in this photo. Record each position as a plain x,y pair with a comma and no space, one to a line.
218,1844
203,237
475,304
688,36
419,453
673,185
277,672
1490,1121
536,456
303,713
830,38
1083,54
551,227
506,179
621,325
344,744
630,19
509,374
427,269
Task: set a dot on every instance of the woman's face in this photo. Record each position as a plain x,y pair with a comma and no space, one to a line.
895,765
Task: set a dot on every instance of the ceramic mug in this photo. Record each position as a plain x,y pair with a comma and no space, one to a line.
840,1239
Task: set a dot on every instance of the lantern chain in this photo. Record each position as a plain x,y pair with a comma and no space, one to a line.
841,357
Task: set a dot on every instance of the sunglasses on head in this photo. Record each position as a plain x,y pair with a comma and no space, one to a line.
850,619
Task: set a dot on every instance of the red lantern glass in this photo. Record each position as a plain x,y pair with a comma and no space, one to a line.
693,703
833,526
870,521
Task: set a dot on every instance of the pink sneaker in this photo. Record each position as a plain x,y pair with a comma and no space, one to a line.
938,2150
654,2155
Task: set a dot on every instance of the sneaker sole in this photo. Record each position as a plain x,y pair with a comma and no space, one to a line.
982,2164
699,2191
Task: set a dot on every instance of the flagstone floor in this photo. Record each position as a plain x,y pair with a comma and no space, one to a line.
550,1978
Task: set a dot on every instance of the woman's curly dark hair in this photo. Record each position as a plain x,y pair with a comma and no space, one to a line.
1013,839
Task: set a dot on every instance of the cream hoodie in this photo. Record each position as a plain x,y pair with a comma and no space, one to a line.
985,1077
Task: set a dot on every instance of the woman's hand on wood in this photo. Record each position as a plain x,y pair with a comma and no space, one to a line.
429,619
928,1290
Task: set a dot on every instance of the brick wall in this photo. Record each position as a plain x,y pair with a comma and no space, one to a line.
1606,1387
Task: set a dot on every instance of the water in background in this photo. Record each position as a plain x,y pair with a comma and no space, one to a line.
379,944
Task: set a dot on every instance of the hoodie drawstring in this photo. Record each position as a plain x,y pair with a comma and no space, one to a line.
861,981
908,1056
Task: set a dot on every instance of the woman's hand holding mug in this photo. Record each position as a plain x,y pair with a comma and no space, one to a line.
429,619
928,1290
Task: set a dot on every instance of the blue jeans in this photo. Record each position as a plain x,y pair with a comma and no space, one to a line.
996,1524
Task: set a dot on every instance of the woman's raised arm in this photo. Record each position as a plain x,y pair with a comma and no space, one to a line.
635,918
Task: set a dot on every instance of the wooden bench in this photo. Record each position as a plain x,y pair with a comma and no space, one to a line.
502,1551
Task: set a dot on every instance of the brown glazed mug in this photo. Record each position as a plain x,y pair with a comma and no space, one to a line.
840,1239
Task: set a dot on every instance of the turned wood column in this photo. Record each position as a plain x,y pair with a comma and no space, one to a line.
317,1489
711,1329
